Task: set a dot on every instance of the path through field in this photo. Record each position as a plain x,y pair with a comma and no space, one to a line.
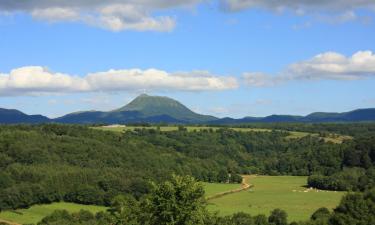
8,222
244,186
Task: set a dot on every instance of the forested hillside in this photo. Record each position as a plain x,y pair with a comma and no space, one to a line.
47,163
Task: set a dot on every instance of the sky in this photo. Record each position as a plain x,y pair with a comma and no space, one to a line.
231,58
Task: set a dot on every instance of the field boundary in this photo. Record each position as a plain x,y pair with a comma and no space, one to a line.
245,185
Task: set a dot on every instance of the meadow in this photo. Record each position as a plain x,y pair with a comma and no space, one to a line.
270,192
215,188
35,213
335,138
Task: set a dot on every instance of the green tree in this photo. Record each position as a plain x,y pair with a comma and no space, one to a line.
177,202
278,217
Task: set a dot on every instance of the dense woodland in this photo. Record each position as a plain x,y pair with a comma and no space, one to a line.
49,163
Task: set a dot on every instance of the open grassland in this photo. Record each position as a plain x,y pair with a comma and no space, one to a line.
270,192
292,134
38,212
216,188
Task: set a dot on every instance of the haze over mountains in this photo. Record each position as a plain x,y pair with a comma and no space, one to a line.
156,109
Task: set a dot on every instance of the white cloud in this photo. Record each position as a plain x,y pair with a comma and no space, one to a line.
325,66
115,15
331,11
300,6
38,80
56,14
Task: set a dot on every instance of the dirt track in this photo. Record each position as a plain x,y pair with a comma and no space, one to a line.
244,186
8,222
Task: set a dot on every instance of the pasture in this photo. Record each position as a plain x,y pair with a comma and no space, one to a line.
215,188
38,212
270,192
292,134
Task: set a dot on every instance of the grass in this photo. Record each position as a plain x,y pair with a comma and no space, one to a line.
338,139
215,188
38,212
270,192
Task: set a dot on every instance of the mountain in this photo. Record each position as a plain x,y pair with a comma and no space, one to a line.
9,116
359,115
352,116
157,109
144,108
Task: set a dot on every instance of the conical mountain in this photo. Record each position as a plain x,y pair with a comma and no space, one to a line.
150,106
144,108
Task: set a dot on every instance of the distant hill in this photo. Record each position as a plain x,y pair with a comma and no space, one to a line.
9,116
157,109
144,108
359,115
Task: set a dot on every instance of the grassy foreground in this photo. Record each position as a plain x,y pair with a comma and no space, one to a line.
270,192
38,212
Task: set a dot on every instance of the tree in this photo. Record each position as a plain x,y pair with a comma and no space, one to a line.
177,202
126,210
278,217
321,213
260,220
223,177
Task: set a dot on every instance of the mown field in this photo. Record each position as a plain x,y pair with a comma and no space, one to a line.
38,212
267,193
215,188
270,192
292,134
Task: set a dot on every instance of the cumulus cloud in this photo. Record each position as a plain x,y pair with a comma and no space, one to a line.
38,80
115,15
325,66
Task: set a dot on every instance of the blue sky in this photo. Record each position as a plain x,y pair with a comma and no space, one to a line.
237,60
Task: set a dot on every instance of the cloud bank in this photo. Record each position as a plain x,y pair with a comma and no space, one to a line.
325,66
299,6
39,80
141,15
330,11
115,15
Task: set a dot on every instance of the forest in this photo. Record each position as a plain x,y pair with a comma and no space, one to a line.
73,163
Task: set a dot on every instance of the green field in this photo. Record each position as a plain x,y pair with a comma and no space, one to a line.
270,192
37,212
215,188
292,134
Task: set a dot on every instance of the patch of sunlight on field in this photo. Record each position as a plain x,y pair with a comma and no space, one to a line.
215,188
38,212
270,192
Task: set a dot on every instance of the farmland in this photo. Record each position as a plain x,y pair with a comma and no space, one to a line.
334,138
270,192
38,212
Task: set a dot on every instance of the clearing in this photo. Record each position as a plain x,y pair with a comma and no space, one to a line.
37,212
270,192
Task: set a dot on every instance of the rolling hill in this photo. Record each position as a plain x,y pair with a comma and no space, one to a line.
157,109
9,116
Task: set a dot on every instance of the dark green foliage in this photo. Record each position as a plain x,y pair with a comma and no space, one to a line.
321,213
278,217
358,173
48,163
